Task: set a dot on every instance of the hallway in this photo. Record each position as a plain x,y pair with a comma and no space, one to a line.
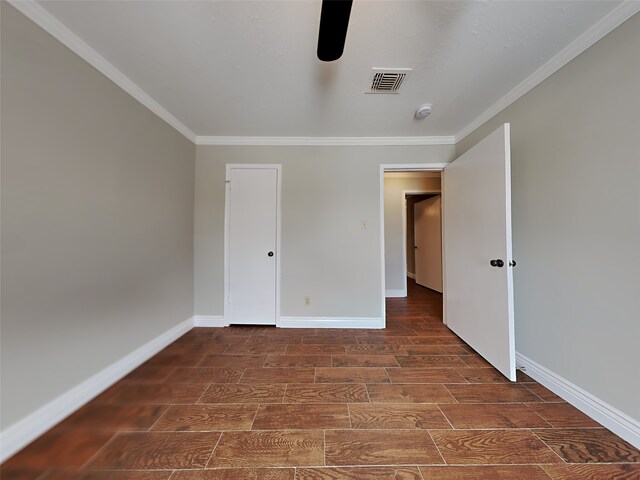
251,403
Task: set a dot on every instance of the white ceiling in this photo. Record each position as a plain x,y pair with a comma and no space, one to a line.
249,68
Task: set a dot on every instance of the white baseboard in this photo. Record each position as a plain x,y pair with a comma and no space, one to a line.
20,434
209,321
395,293
330,322
411,275
618,422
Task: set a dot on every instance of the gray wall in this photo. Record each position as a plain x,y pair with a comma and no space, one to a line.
576,218
97,220
393,225
326,193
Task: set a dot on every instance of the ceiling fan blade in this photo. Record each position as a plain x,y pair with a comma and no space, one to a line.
334,20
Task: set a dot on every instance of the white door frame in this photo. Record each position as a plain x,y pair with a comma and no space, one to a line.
227,190
404,227
397,167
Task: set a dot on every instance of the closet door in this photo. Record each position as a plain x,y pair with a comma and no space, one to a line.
252,207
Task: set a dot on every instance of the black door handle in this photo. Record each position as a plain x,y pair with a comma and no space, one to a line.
270,254
497,263
512,263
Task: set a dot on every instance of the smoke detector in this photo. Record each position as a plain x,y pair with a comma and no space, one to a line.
423,111
387,80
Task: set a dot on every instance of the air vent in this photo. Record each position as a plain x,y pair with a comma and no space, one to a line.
388,80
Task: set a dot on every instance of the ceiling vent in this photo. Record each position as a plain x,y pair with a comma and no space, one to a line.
388,80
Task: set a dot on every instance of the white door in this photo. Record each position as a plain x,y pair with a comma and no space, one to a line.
428,243
478,290
252,206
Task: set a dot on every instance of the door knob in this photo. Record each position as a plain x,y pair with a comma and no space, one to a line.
512,263
270,254
497,263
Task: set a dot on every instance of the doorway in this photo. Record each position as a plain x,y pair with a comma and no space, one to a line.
252,244
477,253
424,240
406,192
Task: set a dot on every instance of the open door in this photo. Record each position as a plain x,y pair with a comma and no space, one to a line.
478,292
428,243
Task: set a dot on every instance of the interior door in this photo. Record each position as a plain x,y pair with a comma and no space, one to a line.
252,240
428,243
478,290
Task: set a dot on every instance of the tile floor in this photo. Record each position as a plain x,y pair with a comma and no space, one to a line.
251,403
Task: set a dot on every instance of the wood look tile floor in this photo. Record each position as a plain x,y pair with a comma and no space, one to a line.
411,402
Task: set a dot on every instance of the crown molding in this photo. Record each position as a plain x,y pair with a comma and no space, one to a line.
58,30
325,141
607,24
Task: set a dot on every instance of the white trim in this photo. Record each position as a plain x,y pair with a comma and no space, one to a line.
58,30
394,167
229,167
324,141
413,167
601,28
209,321
618,422
23,432
383,280
411,275
330,322
443,176
405,224
395,293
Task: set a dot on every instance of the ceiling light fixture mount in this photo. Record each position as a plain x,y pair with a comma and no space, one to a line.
334,21
423,111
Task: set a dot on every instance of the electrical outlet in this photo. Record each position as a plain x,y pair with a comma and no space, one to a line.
307,301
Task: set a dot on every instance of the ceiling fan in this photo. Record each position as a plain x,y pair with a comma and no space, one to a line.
334,20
